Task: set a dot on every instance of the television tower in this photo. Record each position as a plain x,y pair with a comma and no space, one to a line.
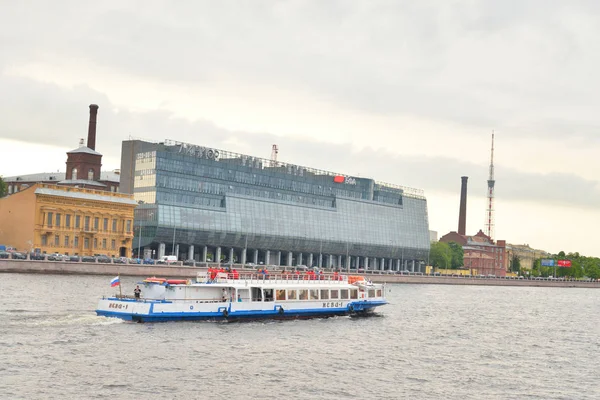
489,213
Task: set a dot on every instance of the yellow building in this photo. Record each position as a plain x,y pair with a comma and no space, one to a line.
68,220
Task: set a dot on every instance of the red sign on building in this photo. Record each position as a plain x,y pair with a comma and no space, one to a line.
339,179
564,263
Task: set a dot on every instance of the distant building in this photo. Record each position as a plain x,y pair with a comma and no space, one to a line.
433,236
481,254
68,220
83,168
526,255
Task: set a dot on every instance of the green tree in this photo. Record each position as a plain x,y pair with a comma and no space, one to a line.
457,255
515,264
3,187
440,255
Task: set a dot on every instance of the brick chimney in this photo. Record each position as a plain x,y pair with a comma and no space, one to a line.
462,216
91,141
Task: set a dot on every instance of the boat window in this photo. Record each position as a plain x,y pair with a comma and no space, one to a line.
354,294
314,294
378,292
335,294
292,295
256,294
303,294
324,294
344,294
371,292
280,294
268,294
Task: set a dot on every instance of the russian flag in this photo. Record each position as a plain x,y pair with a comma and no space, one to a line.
115,282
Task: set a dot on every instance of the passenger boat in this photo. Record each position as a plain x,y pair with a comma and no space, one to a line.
236,296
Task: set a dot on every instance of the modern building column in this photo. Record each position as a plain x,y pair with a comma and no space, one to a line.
243,257
191,252
289,259
339,262
231,255
267,257
218,255
161,250
255,257
398,265
330,261
374,263
204,253
412,268
310,260
176,251
299,262
366,263
278,258
390,264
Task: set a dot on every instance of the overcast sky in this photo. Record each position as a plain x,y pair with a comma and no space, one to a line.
405,92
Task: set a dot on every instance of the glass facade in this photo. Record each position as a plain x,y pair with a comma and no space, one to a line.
198,196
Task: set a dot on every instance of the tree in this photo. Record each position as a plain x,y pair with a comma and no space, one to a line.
3,187
440,255
515,264
457,255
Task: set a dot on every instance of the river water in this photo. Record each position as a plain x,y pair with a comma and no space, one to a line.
430,342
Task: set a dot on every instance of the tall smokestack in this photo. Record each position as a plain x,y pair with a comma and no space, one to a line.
462,216
91,142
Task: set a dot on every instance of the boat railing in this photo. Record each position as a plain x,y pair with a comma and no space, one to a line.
223,277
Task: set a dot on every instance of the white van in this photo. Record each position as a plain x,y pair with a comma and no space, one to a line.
168,259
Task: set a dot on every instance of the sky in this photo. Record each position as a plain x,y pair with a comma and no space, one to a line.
400,91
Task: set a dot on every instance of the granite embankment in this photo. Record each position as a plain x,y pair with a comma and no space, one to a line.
178,271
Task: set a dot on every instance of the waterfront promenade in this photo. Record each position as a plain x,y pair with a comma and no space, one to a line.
178,271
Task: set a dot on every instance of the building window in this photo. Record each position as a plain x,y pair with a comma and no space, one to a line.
50,215
96,223
74,174
44,240
129,226
95,243
105,224
87,224
76,242
86,243
10,189
91,175
77,221
68,220
114,227
104,243
56,240
67,241
58,220
113,244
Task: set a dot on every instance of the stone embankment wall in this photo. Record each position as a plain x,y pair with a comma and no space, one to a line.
177,271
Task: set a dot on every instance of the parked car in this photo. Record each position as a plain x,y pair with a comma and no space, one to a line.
149,261
72,258
88,259
37,256
119,260
4,254
103,259
135,261
189,263
18,256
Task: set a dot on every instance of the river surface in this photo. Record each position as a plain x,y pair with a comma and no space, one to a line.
430,342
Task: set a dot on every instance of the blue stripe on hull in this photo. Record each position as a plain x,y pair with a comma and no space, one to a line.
358,308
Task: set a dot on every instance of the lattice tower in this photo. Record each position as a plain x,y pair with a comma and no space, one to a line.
489,213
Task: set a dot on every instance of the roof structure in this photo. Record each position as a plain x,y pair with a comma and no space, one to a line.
84,149
39,177
81,182
85,196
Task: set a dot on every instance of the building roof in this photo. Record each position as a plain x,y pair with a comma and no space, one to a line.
86,150
39,177
85,196
81,182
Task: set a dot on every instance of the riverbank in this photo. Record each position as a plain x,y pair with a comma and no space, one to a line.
174,271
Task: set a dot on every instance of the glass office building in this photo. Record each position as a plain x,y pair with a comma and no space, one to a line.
208,204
